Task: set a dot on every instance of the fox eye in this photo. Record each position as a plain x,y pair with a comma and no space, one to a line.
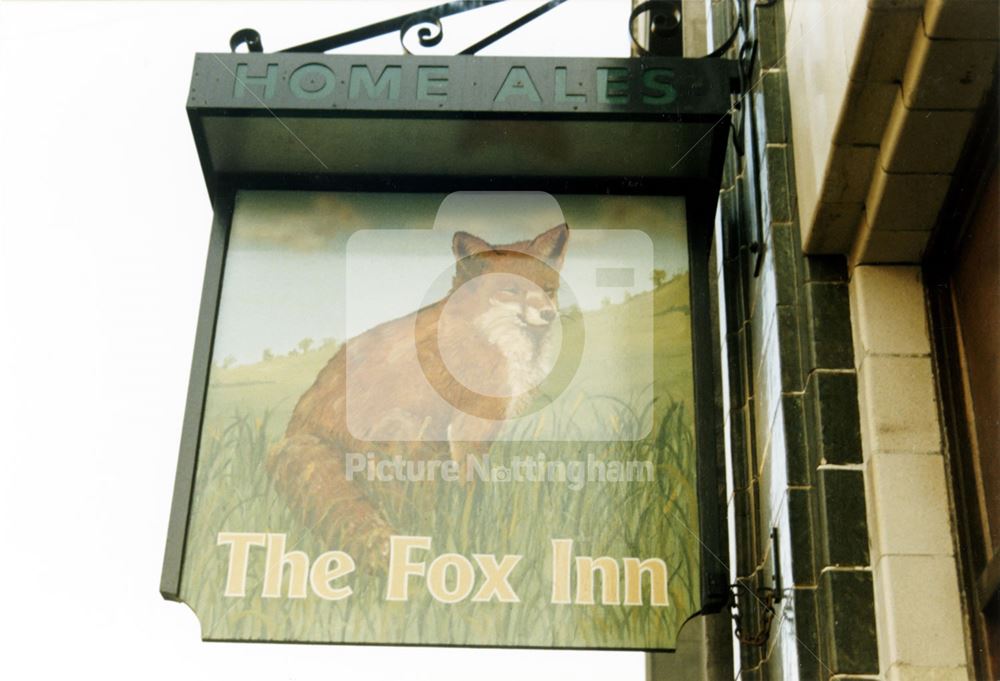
510,289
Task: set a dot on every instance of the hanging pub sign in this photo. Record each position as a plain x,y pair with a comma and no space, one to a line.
453,379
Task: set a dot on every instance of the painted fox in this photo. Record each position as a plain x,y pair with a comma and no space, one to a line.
436,383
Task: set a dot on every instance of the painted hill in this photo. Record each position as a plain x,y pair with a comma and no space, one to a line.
274,386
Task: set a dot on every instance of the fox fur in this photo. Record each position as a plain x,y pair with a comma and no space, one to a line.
481,349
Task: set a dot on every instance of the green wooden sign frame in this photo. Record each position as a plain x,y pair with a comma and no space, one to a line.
650,126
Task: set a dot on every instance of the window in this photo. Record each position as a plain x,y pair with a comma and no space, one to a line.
965,299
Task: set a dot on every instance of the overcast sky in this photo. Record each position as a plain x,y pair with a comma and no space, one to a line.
104,224
294,270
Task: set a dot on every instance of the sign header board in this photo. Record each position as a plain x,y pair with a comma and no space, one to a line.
285,114
466,85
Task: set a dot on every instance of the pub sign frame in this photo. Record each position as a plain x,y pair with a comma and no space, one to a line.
651,126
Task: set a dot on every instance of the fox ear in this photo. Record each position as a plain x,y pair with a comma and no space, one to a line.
464,244
550,246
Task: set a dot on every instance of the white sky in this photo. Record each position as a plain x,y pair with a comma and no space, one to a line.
104,225
276,293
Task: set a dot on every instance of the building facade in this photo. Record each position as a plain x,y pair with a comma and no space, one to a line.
858,289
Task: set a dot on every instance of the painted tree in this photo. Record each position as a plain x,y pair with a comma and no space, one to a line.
659,278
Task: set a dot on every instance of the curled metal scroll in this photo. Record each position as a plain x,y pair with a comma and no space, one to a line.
429,31
402,23
426,22
665,19
248,37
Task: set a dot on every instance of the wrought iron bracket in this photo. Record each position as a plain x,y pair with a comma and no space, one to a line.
666,27
746,58
426,24
664,35
767,597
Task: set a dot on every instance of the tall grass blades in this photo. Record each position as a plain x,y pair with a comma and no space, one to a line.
654,516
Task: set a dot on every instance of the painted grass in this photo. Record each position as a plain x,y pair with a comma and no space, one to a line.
652,519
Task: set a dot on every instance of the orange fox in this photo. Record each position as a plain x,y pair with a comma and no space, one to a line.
436,383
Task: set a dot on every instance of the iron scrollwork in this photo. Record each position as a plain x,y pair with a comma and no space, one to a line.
425,23
429,31
665,27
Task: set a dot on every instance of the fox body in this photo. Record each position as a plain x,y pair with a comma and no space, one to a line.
435,383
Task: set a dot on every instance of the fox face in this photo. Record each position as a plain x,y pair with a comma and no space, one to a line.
517,283
508,296
525,302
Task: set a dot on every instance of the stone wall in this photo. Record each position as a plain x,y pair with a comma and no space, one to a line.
792,425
